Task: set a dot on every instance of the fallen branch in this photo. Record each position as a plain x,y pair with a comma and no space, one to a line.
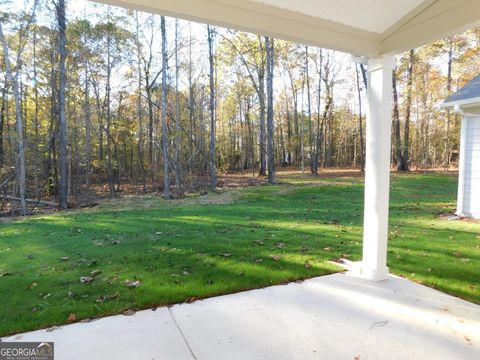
33,201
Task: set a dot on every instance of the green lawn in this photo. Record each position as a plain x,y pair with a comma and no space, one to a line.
223,243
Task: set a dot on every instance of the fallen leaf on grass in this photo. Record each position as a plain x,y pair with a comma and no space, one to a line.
280,245
95,273
64,258
132,284
258,242
86,279
115,242
129,312
225,255
72,317
307,265
472,286
258,261
275,257
103,298
33,285
71,294
6,274
328,248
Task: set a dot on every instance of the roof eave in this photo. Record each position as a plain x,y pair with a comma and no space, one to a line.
432,20
265,20
462,103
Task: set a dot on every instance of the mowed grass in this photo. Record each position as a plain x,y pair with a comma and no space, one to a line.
223,243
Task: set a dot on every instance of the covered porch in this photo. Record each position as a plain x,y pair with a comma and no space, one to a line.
364,314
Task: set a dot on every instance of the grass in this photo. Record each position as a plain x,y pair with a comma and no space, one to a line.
223,243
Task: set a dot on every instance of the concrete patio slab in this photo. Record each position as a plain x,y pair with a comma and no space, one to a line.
146,335
331,317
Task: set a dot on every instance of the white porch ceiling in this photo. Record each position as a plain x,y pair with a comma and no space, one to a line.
361,27
372,15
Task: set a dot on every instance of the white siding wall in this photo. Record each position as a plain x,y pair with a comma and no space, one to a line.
471,173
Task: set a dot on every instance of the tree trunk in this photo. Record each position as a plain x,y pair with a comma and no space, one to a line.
318,132
36,152
21,171
261,98
213,171
270,126
166,177
446,161
309,109
408,110
360,123
111,186
141,164
62,123
191,104
177,165
396,119
2,120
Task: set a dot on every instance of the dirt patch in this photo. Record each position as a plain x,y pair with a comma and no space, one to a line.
225,197
135,202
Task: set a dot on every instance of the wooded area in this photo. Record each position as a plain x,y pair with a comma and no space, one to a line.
98,99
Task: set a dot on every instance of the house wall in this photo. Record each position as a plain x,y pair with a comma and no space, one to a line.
470,206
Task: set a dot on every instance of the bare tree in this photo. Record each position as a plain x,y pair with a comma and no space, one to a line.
309,109
360,121
213,170
87,110
396,122
139,104
177,164
404,164
13,78
21,176
446,161
270,126
166,177
62,122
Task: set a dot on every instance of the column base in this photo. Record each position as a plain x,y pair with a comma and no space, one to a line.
359,269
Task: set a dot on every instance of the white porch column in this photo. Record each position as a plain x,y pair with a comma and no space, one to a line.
461,165
377,168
